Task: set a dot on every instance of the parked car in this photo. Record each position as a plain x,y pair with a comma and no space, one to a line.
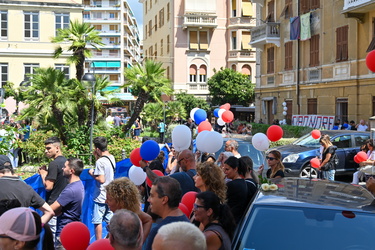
308,214
296,156
245,147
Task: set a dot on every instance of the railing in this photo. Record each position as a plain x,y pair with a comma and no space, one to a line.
314,75
354,3
242,54
242,20
110,55
270,80
265,31
199,20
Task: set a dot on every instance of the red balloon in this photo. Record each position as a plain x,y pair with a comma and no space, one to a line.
361,156
315,134
275,133
225,106
315,163
75,235
205,125
227,116
101,245
370,60
188,200
356,159
158,172
184,209
135,156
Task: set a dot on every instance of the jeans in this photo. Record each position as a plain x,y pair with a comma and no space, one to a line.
329,175
52,224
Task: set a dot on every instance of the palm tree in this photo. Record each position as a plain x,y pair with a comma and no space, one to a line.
175,111
147,82
50,97
152,113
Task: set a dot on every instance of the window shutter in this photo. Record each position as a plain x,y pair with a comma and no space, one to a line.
338,44
274,106
344,44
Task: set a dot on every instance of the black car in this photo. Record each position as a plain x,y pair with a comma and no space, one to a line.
296,156
308,214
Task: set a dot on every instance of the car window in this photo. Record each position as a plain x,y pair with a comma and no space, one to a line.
344,141
360,140
307,141
306,222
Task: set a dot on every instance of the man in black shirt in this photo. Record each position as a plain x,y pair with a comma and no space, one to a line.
53,178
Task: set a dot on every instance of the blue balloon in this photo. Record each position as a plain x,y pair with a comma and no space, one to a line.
200,116
216,112
149,150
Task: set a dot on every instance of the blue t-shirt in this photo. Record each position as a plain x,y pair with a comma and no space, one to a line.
186,181
167,220
71,199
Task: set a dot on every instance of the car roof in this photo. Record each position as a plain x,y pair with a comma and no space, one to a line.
314,193
340,132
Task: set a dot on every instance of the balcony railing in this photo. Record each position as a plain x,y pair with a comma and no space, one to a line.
354,3
266,33
191,20
242,54
241,21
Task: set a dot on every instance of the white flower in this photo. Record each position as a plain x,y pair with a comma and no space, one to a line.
273,187
265,187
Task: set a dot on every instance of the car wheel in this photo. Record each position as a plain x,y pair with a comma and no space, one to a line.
308,172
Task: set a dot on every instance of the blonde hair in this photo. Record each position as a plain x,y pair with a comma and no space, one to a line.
279,166
213,178
326,140
125,193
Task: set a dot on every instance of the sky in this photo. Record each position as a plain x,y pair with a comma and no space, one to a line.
137,9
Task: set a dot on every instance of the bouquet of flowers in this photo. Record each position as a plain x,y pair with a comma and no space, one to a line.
266,185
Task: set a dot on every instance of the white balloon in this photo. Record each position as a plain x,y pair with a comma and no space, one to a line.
136,175
201,140
220,122
260,141
181,136
284,112
179,149
284,104
192,112
213,142
221,111
285,108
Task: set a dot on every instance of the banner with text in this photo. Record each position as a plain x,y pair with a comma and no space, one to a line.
314,121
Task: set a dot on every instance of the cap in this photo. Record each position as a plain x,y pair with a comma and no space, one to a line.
19,224
3,160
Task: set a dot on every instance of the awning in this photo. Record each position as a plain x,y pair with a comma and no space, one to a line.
111,88
110,64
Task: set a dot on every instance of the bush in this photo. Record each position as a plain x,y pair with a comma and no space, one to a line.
289,131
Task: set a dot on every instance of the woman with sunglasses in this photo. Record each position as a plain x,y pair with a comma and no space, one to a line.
122,193
217,219
276,167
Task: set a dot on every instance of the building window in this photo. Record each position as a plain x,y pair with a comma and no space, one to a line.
342,109
167,72
198,40
203,73
63,68
342,43
161,47
156,22
150,28
97,27
234,67
270,60
307,5
271,11
3,73
168,11
234,40
86,14
29,68
234,8
161,17
288,9
372,43
61,21
373,106
193,73
151,51
314,50
156,50
113,28
168,42
150,4
146,7
203,40
4,24
247,8
312,106
246,40
289,112
288,55
193,38
31,26
246,70
113,78
146,31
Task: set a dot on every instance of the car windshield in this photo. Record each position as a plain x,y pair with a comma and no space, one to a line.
307,228
307,141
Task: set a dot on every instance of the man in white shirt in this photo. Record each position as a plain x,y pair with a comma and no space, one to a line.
361,126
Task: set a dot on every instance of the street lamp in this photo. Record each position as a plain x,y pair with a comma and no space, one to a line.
90,77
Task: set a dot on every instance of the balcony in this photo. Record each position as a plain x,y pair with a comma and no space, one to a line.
242,22
195,20
242,55
265,33
357,9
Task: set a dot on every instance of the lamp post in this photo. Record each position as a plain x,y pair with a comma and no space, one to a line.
90,77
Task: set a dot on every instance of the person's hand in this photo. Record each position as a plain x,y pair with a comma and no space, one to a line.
42,170
260,170
91,172
143,163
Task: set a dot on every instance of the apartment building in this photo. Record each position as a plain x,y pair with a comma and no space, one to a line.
26,31
311,59
118,28
192,38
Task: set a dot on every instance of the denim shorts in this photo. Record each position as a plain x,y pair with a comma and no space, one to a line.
101,213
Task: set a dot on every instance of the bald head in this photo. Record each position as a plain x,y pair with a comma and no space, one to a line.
186,160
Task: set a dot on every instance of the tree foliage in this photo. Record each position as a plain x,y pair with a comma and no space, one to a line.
148,82
190,101
229,86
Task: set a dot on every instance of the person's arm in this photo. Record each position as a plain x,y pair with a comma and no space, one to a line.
57,208
151,175
212,240
48,184
146,223
47,213
100,178
260,169
326,160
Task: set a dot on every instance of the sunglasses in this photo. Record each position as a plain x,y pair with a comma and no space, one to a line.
48,148
196,206
179,161
270,158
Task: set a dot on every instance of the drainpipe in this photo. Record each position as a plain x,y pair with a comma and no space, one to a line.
298,69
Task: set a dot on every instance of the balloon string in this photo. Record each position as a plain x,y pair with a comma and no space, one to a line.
264,164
